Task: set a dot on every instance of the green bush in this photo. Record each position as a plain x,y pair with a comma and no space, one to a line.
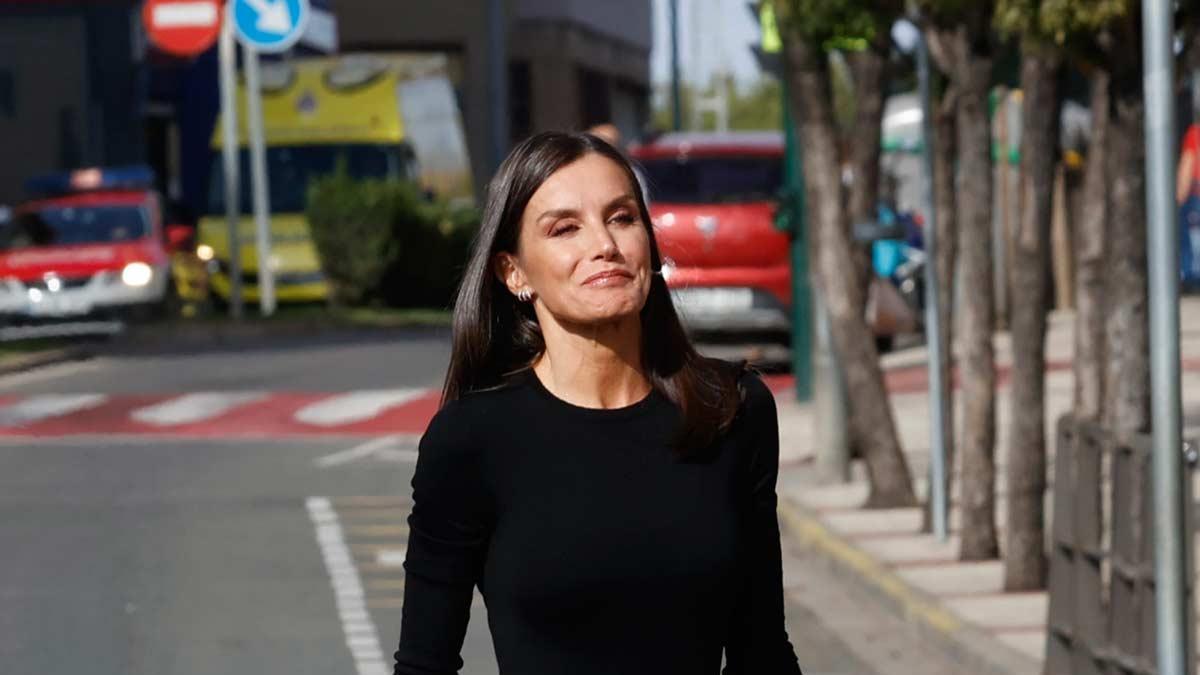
383,242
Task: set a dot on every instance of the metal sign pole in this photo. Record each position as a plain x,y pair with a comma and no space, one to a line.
258,175
676,99
1170,538
498,80
227,57
933,326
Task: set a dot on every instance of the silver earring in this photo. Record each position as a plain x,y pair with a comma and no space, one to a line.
524,295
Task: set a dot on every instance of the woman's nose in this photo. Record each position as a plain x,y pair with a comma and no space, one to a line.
606,244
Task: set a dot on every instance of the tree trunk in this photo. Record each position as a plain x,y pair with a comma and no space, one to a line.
870,411
974,181
869,70
947,243
962,53
1091,236
1024,556
1127,373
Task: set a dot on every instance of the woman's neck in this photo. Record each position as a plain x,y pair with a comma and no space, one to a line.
594,366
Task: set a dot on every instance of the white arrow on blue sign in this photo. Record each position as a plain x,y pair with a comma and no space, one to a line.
270,25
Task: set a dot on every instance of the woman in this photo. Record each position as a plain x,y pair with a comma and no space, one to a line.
1187,196
611,492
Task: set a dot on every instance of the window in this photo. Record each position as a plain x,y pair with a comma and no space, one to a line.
290,170
66,225
595,104
520,101
8,94
714,180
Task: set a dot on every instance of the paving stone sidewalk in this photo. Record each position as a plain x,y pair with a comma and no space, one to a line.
960,606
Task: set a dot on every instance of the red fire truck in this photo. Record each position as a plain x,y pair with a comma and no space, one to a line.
92,243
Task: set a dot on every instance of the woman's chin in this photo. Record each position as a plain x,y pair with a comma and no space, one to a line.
609,314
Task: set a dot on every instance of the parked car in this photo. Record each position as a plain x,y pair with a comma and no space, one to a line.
92,242
712,200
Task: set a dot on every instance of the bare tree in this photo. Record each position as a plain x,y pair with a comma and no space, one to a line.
868,68
1091,236
1127,370
871,419
961,42
1024,559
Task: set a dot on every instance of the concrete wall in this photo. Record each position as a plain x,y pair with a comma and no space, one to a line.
622,20
42,123
556,38
557,52
74,94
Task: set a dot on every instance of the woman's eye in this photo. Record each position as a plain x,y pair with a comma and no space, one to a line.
565,228
624,218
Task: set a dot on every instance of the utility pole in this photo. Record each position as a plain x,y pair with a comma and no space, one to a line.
1171,540
498,80
676,103
227,56
258,176
933,326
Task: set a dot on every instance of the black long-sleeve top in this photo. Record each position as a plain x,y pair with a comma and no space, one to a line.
595,547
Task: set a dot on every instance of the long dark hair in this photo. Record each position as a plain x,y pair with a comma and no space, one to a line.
495,335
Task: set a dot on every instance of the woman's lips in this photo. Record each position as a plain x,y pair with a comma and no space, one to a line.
609,278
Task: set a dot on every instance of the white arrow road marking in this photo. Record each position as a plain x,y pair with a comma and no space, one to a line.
387,448
191,408
37,408
184,15
355,406
273,17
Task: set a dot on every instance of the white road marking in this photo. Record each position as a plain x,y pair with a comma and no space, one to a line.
354,406
361,636
37,408
391,557
184,15
191,408
383,448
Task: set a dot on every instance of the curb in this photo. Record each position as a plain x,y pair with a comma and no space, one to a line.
967,644
50,357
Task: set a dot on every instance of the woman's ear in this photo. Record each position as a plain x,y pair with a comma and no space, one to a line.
506,269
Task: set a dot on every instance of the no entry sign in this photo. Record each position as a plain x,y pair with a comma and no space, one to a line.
182,27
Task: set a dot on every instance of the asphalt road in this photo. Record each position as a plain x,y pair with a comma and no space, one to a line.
180,556
329,363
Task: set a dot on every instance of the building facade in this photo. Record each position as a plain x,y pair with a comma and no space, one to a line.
570,63
80,85
71,91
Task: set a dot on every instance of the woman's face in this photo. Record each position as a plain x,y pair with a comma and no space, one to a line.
582,248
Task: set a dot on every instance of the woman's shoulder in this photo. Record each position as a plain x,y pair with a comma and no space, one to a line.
753,389
472,414
753,393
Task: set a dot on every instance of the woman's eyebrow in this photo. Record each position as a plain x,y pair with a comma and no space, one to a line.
573,213
557,213
620,201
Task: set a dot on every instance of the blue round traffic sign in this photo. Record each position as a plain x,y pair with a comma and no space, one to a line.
270,25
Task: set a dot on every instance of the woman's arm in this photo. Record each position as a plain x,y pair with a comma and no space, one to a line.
448,532
1185,176
759,642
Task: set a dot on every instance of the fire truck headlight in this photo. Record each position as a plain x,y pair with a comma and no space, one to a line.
136,274
205,252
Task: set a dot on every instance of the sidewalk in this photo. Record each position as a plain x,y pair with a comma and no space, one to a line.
959,605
